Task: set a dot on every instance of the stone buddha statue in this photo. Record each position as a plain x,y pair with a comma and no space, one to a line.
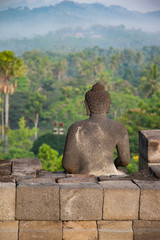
90,143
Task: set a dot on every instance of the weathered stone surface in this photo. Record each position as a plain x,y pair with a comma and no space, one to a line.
155,169
40,230
114,177
5,167
115,230
37,199
59,174
90,143
143,175
7,178
121,200
146,230
9,230
68,175
77,179
149,199
78,230
37,182
149,145
81,201
45,174
143,164
7,201
25,168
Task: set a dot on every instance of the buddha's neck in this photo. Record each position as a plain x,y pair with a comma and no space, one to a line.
98,116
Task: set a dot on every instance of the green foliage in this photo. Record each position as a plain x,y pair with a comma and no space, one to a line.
23,84
50,159
18,107
10,66
145,116
21,138
55,84
15,153
35,104
150,82
133,166
54,141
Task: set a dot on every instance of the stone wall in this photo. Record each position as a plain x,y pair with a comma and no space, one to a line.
149,151
39,205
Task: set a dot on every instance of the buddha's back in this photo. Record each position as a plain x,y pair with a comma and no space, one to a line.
91,143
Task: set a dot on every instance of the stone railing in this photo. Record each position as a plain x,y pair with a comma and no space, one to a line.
36,204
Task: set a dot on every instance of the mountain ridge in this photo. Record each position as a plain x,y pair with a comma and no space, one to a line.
25,22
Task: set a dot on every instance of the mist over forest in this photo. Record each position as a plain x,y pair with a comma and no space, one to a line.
76,26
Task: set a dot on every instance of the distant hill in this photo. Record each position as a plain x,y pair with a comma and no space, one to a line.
25,22
76,39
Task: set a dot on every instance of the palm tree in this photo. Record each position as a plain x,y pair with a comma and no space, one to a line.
10,67
150,83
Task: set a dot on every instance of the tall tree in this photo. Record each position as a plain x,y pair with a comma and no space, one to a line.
150,83
34,108
10,67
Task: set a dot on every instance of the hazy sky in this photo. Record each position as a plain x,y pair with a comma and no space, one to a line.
137,5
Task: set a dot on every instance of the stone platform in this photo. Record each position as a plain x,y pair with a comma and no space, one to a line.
74,207
36,204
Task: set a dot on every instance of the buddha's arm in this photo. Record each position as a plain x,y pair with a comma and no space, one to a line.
123,149
70,156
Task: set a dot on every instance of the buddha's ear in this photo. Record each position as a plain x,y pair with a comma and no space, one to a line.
87,108
108,107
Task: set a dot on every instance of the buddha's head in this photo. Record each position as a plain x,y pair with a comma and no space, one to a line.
97,100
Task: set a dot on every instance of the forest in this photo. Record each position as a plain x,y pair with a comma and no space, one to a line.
44,89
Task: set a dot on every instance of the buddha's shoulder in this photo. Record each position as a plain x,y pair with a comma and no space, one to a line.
78,125
87,123
117,126
115,123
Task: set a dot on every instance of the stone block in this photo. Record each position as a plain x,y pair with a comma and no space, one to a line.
78,230
25,168
115,230
155,169
45,174
121,200
81,201
143,164
78,179
9,230
7,178
149,199
40,230
146,230
5,167
37,199
149,145
7,201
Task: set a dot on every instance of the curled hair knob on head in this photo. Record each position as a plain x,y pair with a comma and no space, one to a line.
98,87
